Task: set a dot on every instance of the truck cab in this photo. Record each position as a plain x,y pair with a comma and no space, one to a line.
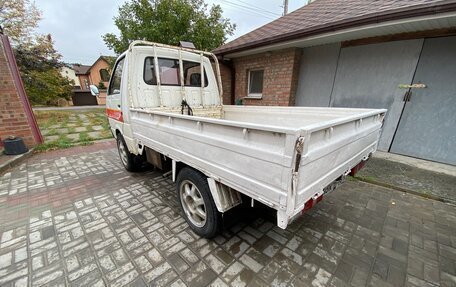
163,78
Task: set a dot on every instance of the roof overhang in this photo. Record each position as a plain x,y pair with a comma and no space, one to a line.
416,24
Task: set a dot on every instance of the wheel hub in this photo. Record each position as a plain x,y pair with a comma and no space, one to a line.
193,203
123,153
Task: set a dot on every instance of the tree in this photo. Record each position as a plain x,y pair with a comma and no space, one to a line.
18,18
38,61
39,64
168,22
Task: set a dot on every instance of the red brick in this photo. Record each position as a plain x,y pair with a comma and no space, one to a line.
13,120
281,72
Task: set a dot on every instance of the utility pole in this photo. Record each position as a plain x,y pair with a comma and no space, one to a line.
285,7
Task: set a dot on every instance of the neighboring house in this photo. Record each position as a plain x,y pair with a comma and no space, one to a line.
69,73
81,72
97,74
399,55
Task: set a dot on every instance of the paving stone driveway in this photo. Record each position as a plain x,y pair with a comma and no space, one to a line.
75,217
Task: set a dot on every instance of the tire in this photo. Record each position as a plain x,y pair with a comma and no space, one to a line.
197,203
130,161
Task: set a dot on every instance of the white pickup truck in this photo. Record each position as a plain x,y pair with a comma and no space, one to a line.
164,106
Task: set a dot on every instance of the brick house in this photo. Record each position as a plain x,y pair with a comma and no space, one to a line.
16,115
81,72
97,74
99,71
358,53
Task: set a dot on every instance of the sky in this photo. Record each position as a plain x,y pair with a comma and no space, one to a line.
76,26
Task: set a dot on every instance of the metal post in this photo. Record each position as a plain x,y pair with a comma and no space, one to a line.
157,76
285,7
202,79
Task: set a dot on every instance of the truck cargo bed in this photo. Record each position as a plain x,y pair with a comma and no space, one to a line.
280,156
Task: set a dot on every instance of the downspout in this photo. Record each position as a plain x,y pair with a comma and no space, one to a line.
233,83
230,66
20,88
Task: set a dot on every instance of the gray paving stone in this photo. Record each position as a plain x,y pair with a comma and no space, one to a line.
62,131
80,129
94,135
51,138
97,128
44,132
73,137
98,225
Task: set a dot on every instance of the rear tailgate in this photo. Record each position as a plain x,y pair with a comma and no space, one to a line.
331,149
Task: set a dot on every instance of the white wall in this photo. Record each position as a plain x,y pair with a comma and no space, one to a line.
70,74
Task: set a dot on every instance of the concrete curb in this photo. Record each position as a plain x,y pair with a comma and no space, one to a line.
398,188
15,160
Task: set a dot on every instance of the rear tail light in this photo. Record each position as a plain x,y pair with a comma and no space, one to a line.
360,165
312,202
309,204
357,168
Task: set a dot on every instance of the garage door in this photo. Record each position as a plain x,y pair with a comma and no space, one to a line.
427,128
369,76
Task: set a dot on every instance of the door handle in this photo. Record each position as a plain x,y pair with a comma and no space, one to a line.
407,96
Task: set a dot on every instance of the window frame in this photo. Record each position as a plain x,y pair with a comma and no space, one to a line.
206,79
159,74
112,78
101,75
154,73
254,95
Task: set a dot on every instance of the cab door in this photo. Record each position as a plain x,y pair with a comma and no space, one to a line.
114,98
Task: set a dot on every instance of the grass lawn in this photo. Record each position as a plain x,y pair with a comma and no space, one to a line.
63,129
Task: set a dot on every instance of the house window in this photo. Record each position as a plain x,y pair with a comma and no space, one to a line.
255,87
104,75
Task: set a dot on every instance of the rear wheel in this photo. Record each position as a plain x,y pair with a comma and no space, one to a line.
197,203
130,161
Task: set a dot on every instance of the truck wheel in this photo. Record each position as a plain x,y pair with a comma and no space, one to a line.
130,161
197,203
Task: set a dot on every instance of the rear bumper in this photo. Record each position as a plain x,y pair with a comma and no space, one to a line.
315,199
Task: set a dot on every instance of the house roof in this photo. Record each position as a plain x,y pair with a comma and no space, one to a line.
107,59
322,16
80,69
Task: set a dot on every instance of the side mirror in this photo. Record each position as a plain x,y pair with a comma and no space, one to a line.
94,90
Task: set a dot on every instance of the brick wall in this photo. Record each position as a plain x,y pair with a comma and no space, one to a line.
225,72
280,80
94,72
13,117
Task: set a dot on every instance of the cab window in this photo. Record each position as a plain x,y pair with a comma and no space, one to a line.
149,71
169,72
114,86
192,74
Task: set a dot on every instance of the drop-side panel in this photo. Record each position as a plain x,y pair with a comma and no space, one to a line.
253,161
331,151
